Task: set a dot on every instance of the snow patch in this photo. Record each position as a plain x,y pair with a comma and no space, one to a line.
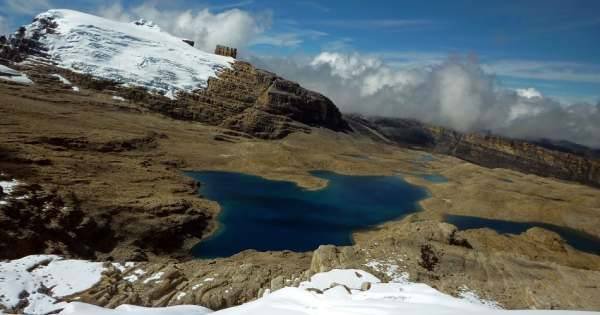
155,277
8,186
469,295
390,269
351,278
77,308
118,98
62,79
123,266
12,75
134,54
135,276
41,280
7,189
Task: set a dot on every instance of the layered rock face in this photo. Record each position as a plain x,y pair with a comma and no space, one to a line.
482,149
255,102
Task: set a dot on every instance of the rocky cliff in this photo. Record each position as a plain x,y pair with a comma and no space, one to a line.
255,102
482,149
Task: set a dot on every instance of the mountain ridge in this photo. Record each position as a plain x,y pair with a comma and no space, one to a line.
487,150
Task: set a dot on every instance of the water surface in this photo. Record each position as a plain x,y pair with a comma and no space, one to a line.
435,178
263,214
577,239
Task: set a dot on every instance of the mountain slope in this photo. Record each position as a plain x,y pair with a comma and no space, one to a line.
135,54
140,63
482,149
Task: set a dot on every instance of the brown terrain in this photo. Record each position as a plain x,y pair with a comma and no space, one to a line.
104,179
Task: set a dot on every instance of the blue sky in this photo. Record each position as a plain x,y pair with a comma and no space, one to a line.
551,45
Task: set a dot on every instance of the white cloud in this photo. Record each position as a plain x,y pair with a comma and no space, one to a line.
529,93
546,70
289,39
282,40
522,110
234,27
455,93
376,23
459,96
346,66
232,5
114,12
27,6
410,59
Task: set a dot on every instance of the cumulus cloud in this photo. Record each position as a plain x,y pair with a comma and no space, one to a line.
455,93
529,93
232,27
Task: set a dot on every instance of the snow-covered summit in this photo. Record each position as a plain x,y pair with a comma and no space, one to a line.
136,54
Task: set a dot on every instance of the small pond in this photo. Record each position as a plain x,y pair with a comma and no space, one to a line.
257,213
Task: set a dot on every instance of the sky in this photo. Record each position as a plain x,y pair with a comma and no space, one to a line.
379,57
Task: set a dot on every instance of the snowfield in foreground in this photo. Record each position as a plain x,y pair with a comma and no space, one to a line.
135,54
42,280
341,299
333,292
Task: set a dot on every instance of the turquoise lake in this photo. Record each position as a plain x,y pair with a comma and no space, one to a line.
262,214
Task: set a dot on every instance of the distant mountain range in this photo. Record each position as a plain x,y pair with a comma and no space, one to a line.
561,159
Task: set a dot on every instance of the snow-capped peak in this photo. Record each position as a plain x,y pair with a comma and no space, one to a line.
136,54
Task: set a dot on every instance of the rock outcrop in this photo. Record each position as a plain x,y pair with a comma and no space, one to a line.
255,102
215,284
512,270
482,149
35,221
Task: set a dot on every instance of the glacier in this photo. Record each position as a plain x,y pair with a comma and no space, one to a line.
133,54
